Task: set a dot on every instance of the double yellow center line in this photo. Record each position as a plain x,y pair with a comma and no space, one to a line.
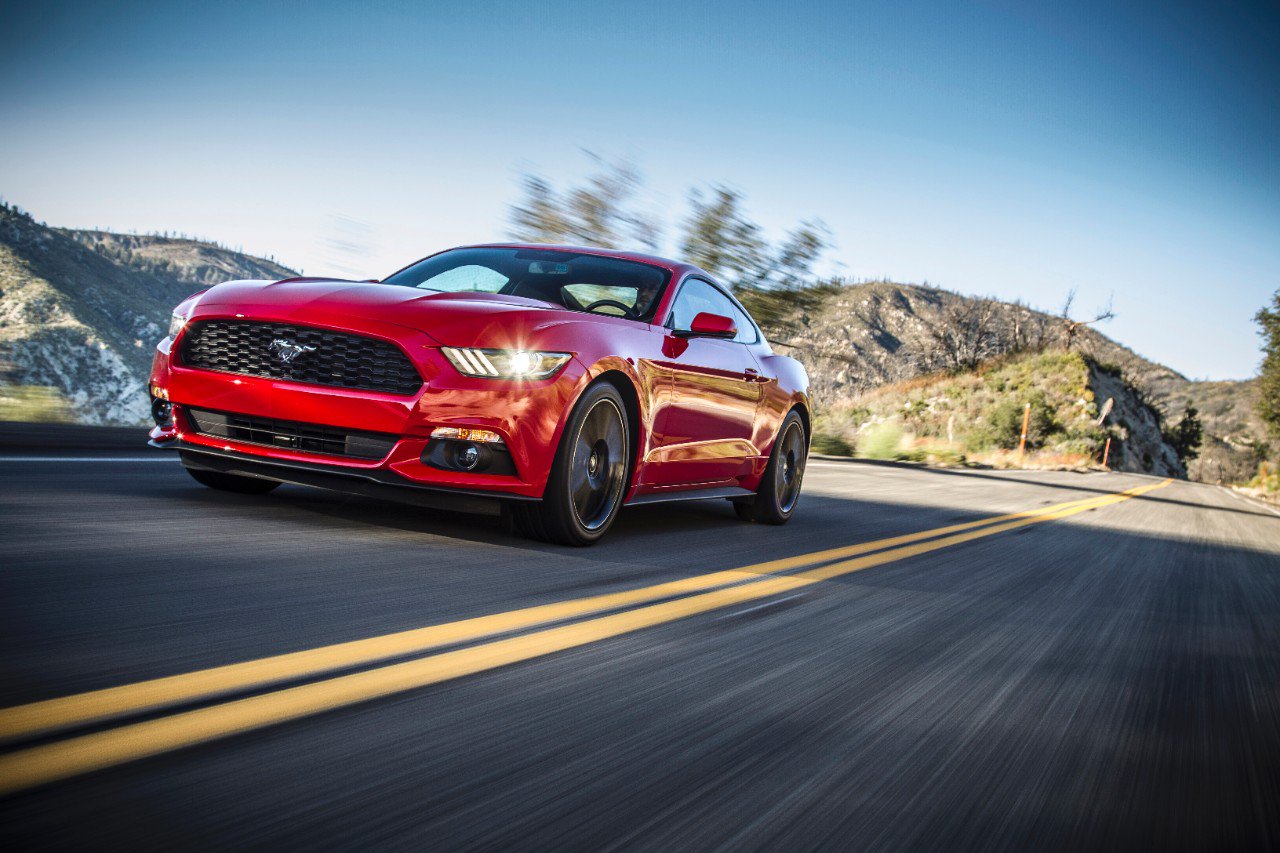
45,763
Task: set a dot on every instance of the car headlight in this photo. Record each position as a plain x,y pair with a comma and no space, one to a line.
505,363
176,322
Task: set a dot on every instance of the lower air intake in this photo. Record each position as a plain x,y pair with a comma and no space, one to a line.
291,435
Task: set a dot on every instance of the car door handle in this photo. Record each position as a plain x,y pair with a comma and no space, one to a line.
753,375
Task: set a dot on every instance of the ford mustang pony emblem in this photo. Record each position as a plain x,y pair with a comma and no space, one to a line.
287,351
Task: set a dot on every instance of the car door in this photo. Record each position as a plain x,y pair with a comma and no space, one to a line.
704,434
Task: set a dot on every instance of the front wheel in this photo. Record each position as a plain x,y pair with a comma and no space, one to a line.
232,482
779,491
588,478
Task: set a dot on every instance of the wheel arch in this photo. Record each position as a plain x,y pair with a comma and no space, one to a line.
631,401
801,408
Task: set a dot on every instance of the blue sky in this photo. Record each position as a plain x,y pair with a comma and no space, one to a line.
988,148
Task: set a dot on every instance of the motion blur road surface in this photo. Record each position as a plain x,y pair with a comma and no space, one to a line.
1087,669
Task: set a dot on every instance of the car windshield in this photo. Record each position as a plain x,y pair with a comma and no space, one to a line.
576,281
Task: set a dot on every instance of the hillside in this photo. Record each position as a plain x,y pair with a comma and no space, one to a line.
858,337
861,336
1235,436
977,416
81,311
191,262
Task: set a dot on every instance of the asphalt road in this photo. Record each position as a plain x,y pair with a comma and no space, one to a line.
1104,674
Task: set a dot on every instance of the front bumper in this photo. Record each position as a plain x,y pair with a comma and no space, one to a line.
528,415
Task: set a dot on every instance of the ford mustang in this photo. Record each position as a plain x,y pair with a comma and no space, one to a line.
564,382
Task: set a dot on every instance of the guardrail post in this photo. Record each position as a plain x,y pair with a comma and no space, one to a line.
1022,443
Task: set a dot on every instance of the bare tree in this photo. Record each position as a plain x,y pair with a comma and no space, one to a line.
1028,333
967,334
1071,327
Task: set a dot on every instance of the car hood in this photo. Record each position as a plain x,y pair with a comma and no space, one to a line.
451,319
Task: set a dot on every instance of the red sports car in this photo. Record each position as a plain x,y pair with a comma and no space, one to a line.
564,381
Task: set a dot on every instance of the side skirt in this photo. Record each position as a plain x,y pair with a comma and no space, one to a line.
729,492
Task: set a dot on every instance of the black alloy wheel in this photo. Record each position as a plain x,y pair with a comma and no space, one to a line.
779,491
599,464
589,477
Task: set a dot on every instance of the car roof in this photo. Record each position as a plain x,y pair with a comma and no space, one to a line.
677,267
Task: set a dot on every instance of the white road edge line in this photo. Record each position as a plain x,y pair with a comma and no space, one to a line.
845,466
1250,501
774,602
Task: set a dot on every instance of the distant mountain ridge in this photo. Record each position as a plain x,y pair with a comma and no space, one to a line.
81,311
182,259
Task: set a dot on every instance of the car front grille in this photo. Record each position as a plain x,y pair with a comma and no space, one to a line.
299,354
310,438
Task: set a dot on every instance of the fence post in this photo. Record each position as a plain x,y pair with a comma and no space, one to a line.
1106,452
1022,443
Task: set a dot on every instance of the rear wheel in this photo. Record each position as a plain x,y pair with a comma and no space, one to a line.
588,478
779,491
232,482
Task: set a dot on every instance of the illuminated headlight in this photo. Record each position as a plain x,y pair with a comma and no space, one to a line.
505,363
176,322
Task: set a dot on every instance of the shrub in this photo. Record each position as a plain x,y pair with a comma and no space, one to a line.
1086,444
939,453
831,444
882,441
1267,479
1003,426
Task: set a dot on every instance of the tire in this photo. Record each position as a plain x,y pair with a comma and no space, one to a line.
589,477
232,482
779,491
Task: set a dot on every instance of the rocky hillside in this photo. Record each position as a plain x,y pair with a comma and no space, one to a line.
190,262
859,337
977,416
1235,436
80,311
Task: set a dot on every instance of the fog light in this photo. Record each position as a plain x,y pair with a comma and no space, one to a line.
161,412
467,456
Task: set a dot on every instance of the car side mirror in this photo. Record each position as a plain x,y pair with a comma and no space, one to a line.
708,325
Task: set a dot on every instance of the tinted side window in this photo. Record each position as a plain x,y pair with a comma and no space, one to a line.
696,296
